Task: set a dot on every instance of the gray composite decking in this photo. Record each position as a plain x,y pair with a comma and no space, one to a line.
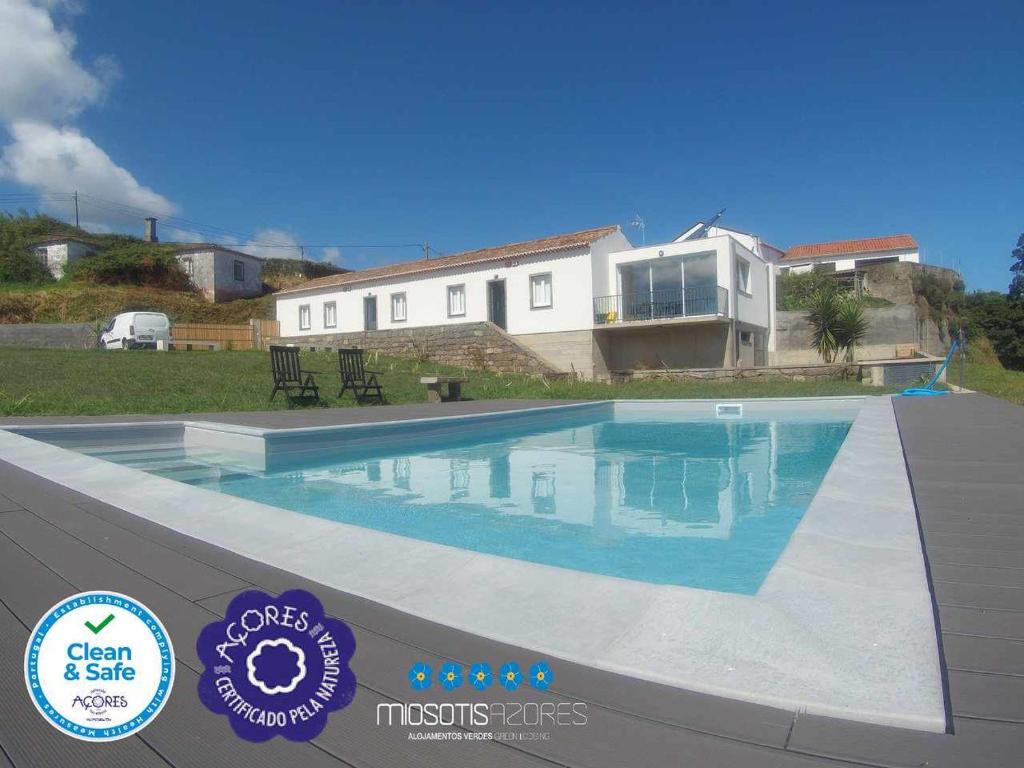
964,454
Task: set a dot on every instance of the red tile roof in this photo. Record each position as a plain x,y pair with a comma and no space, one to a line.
510,251
845,247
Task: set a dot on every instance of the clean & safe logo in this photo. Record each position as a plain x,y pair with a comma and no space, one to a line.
99,666
276,665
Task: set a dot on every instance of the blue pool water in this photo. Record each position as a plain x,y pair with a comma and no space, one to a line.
708,503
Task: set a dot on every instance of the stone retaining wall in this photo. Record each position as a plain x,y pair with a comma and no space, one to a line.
53,335
791,372
888,328
470,345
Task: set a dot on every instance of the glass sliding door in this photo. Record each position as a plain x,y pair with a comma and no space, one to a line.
700,276
666,288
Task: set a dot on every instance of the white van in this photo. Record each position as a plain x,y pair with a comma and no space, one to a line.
131,330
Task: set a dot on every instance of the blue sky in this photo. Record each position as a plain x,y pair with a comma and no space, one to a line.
470,125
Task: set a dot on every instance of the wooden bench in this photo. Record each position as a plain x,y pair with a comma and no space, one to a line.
434,384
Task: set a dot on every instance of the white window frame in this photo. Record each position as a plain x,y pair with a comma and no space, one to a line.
454,290
334,307
190,266
533,292
395,299
743,284
304,310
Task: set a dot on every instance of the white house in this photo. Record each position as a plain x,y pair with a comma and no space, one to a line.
56,253
586,301
221,274
849,255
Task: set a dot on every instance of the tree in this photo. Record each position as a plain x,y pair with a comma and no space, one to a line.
1017,284
1001,319
838,323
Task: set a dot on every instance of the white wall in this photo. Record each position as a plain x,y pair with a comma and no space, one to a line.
57,256
213,273
848,262
427,296
752,308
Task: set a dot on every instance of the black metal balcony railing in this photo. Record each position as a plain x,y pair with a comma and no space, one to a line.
661,304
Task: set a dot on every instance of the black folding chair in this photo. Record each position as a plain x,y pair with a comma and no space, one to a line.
297,384
355,377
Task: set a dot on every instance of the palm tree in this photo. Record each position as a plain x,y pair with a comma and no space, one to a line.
851,325
838,323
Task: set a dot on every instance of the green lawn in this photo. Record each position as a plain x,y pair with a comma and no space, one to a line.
992,379
41,382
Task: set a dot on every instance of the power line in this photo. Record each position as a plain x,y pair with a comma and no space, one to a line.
176,222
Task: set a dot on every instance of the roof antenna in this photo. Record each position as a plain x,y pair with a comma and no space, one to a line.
640,224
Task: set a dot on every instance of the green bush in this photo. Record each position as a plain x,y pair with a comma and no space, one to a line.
837,321
18,261
131,263
999,318
794,291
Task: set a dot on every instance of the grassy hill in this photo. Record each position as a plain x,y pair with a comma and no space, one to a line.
79,303
127,274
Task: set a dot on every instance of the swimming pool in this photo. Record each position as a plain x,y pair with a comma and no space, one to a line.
659,495
840,625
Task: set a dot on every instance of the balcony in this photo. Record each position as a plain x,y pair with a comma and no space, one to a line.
664,304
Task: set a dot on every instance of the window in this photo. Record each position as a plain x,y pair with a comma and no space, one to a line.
331,314
239,270
189,266
743,275
456,300
304,317
397,307
540,291
746,338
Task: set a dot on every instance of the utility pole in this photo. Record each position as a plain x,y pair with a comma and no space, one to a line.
76,209
426,250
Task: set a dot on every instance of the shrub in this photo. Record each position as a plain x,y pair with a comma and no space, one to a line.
794,290
18,262
837,321
131,263
999,318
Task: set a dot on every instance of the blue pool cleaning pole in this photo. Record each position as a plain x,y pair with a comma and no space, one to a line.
928,389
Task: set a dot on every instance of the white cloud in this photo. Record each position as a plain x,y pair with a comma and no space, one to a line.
39,78
332,255
42,87
45,157
263,245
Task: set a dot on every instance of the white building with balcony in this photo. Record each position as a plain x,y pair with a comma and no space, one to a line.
586,301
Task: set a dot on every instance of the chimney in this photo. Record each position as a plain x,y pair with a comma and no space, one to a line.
150,234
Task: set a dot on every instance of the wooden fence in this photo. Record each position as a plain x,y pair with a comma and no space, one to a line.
252,336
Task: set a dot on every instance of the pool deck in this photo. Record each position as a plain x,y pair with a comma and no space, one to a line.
964,454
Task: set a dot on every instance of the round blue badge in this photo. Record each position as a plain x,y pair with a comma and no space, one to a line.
276,666
99,666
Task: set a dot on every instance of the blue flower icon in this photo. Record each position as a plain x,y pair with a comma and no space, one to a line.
450,676
510,676
419,676
541,676
480,676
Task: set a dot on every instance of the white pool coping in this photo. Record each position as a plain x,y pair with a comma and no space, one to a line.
842,626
